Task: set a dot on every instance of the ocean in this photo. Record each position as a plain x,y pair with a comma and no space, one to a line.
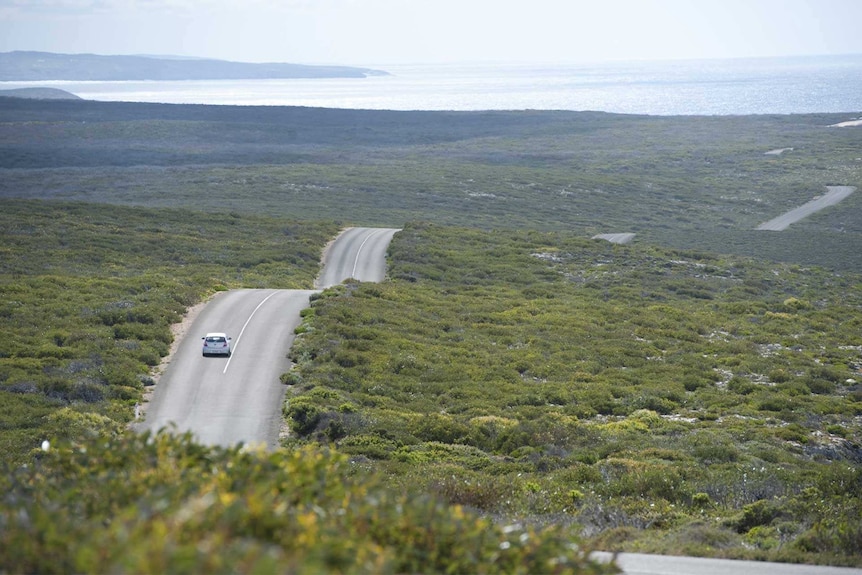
706,87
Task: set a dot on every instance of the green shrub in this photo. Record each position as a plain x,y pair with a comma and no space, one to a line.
832,537
699,538
372,446
701,500
820,386
460,487
741,386
779,375
303,415
433,427
759,513
792,432
763,537
292,378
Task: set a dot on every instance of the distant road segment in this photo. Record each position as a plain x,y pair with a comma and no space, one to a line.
358,253
832,197
230,400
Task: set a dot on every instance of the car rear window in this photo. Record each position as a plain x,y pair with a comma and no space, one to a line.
215,339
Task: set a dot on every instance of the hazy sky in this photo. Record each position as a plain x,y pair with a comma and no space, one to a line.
379,32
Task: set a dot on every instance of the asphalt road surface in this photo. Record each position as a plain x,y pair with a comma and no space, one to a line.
834,195
642,564
230,400
358,253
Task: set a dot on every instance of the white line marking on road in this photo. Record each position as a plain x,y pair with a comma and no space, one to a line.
356,261
236,345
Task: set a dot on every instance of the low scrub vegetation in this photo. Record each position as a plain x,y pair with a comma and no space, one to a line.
668,401
164,504
685,182
515,387
88,294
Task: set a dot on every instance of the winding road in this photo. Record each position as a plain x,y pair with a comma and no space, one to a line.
238,399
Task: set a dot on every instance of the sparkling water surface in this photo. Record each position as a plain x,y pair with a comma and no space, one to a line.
707,87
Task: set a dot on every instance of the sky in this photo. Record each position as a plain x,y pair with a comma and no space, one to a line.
380,32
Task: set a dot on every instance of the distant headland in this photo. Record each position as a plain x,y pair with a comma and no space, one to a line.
39,94
23,66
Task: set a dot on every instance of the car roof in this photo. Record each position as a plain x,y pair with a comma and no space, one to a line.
216,334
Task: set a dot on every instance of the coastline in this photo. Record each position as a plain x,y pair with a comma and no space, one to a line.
707,88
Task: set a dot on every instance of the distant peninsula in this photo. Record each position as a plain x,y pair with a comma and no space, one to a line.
25,66
39,94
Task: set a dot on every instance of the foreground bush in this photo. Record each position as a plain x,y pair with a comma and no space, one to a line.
164,504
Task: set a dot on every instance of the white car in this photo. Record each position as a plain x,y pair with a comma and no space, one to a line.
216,344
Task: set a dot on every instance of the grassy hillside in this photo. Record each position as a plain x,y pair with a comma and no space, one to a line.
664,401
